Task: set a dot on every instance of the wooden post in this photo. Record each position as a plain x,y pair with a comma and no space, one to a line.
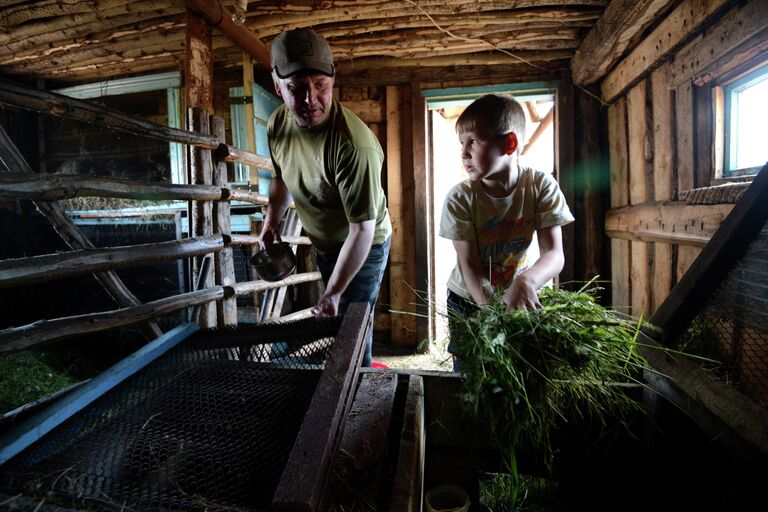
400,185
422,232
202,213
223,260
639,190
565,152
253,172
198,64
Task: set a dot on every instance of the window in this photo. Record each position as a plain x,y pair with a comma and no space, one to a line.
745,106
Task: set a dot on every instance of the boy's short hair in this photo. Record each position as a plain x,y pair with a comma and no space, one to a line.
499,113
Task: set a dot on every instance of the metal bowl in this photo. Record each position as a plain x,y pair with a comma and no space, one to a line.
275,263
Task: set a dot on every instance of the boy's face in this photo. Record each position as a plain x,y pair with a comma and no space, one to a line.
483,153
307,96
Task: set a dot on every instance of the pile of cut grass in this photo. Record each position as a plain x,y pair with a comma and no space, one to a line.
27,376
527,373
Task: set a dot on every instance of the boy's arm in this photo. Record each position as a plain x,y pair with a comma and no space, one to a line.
522,292
472,271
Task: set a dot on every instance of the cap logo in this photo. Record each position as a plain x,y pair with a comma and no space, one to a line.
304,48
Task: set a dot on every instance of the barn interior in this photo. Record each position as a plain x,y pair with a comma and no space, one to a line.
134,178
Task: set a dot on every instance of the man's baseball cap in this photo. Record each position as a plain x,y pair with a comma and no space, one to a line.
301,49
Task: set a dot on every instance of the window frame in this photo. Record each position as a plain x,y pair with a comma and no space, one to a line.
729,91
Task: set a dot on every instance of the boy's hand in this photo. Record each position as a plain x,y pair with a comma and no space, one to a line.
521,294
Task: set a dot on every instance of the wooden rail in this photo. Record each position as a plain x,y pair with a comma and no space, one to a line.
209,223
54,266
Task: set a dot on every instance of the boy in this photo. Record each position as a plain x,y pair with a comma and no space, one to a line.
492,216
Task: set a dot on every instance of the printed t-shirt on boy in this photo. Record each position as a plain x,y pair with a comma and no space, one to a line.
502,227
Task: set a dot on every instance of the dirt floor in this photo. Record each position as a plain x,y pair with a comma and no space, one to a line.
436,358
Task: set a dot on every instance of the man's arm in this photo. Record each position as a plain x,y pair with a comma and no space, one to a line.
477,282
279,199
351,258
522,292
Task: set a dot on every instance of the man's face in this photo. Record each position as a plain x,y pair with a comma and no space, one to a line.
307,96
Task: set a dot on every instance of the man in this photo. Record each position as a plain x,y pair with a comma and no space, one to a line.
328,163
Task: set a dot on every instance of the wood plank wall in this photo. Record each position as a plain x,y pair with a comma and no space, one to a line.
659,129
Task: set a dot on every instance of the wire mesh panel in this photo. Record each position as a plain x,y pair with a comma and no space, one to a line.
733,326
208,426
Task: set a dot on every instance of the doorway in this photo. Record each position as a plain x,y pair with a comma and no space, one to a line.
538,152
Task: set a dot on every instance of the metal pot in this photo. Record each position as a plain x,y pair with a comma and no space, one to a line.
275,263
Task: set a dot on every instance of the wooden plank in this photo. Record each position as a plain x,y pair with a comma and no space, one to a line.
619,153
369,111
32,429
728,244
662,103
622,22
685,136
259,285
422,209
408,487
639,191
400,188
226,309
35,269
250,134
676,29
734,39
302,483
686,255
365,432
41,332
53,187
666,221
620,283
241,240
664,177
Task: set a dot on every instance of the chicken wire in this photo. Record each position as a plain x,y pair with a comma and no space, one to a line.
732,327
208,426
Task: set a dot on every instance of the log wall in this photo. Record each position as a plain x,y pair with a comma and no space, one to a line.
660,120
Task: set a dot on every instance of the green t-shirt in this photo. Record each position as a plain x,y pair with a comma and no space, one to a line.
501,227
333,172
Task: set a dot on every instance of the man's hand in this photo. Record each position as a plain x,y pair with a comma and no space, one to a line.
327,306
270,235
521,294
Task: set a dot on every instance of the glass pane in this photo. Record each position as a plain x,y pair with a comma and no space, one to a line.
749,111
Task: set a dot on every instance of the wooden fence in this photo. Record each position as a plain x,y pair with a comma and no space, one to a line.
210,236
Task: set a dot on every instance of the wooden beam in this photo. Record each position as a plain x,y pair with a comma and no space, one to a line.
233,154
245,240
34,269
622,22
674,222
408,488
699,60
565,161
541,128
303,480
678,27
42,332
53,187
198,64
247,287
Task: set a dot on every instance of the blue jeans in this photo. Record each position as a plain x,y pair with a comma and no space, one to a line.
458,307
364,287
